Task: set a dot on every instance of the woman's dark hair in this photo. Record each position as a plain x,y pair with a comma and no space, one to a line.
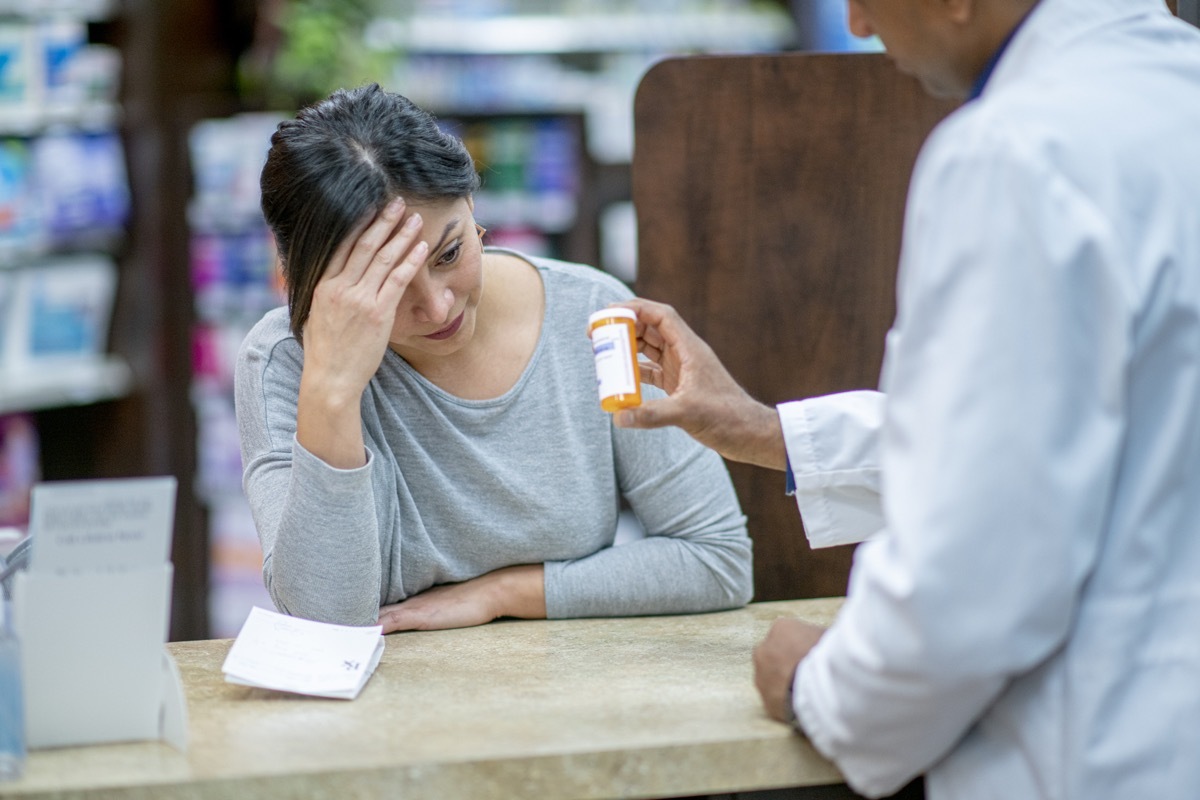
341,161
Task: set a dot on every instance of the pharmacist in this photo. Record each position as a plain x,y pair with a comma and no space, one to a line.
1024,619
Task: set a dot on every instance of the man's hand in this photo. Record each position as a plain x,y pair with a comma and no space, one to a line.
704,399
775,662
510,592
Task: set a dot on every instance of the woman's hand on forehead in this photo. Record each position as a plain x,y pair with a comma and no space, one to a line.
354,304
348,328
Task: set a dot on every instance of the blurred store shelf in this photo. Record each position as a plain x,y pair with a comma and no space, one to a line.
711,31
79,383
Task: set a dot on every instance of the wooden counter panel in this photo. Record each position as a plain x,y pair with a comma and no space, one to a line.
770,196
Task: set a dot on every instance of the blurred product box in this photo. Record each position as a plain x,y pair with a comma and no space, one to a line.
61,189
20,225
79,9
60,41
59,312
227,160
6,289
50,73
19,67
82,185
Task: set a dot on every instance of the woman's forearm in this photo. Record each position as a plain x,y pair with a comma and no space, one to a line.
329,423
519,591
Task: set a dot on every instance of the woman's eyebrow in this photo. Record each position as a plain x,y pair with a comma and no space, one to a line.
446,232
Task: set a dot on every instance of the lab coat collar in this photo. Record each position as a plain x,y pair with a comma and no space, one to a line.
1053,24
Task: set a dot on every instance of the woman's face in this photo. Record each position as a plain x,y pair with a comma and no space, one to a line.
437,313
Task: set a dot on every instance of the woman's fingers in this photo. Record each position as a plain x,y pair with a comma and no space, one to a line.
337,261
366,245
397,260
377,262
396,281
452,605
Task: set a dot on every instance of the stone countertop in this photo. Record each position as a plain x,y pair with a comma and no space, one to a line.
584,708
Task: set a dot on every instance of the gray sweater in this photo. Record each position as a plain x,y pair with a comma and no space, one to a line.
456,488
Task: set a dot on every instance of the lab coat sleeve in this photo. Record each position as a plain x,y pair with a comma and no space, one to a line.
1004,376
833,450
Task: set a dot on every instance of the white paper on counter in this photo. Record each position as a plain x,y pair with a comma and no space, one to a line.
289,654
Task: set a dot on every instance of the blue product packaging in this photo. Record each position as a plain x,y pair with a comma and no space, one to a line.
6,292
16,66
110,180
12,701
82,183
18,220
62,175
554,156
62,40
69,307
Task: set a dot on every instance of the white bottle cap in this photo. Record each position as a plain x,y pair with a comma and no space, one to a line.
608,313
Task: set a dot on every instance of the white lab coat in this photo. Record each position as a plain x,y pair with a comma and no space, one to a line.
1024,621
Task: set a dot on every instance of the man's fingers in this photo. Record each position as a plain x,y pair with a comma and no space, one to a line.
659,321
650,414
776,658
650,373
649,311
651,338
773,674
649,351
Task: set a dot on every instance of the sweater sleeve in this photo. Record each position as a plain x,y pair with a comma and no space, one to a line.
696,555
317,525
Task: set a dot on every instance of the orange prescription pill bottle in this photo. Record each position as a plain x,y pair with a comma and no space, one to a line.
614,346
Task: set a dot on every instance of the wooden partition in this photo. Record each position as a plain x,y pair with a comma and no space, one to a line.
770,193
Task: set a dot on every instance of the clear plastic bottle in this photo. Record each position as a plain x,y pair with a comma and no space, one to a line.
614,346
12,700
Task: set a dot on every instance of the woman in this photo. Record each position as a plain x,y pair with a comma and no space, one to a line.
421,435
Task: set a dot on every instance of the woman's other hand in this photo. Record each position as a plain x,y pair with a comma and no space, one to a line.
509,592
347,332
